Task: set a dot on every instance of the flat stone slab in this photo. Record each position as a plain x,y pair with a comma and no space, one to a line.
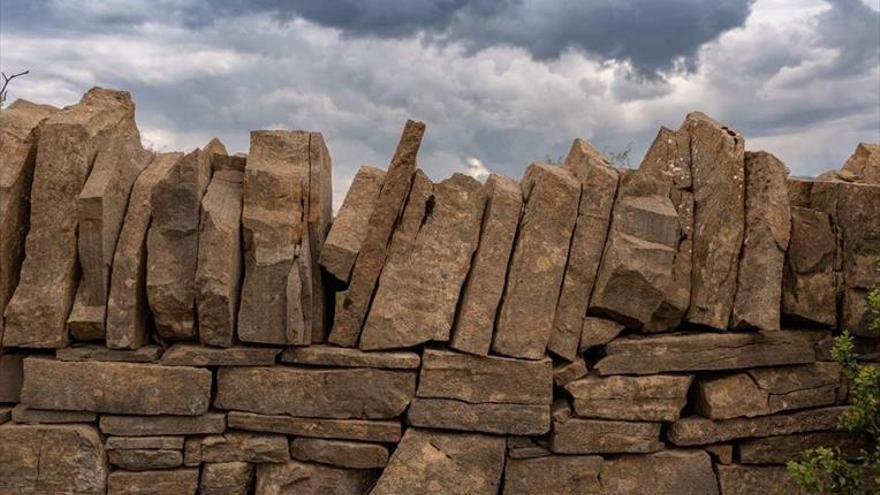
631,398
695,430
164,482
305,477
565,373
661,473
329,393
325,355
237,447
146,354
227,478
560,475
341,453
116,388
25,415
147,426
343,429
598,331
144,443
195,355
735,479
783,448
595,436
145,459
450,414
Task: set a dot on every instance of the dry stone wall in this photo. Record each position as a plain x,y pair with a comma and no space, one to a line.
181,323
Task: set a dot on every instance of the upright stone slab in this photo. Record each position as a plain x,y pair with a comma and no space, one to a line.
371,258
349,228
227,478
538,263
318,211
662,473
767,232
631,398
403,238
438,462
36,316
560,475
306,477
19,134
482,291
598,189
696,430
859,225
717,166
809,284
219,269
272,221
865,163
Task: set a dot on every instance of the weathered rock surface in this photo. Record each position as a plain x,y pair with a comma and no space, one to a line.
526,447
695,430
565,373
538,262
349,228
662,473
51,460
11,375
120,388
365,273
767,233
194,355
440,462
25,415
859,224
127,307
145,426
595,436
320,355
36,315
237,446
436,269
809,285
145,459
149,443
146,354
482,291
342,453
318,216
303,477
784,448
865,163
85,322
598,188
598,331
329,393
5,415
747,480
227,478
344,429
164,482
501,418
562,475
631,398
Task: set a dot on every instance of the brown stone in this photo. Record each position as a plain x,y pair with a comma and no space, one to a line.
721,453
349,228
371,258
865,163
163,425
341,453
165,482
26,415
305,477
696,430
598,331
767,233
631,398
560,475
784,448
565,373
809,287
144,443
237,446
147,354
318,215
121,388
442,462
329,393
227,478
435,269
501,418
195,355
11,376
5,414
483,379
127,307
662,473
598,188
748,480
321,355
36,316
51,460
526,447
706,351
860,228
344,429
85,322
145,459
595,436
717,168
482,291
538,262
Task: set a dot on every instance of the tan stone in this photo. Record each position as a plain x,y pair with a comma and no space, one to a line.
721,453
371,258
487,417
146,354
662,473
809,286
344,429
144,443
784,448
565,373
304,477
560,475
86,322
865,162
696,430
227,478
164,482
321,355
5,414
237,446
526,447
404,236
482,291
595,436
131,425
319,216
145,459
26,415
341,453
598,331
860,228
194,355
537,265
747,480
11,377
631,398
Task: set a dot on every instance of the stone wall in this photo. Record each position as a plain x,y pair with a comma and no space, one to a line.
192,322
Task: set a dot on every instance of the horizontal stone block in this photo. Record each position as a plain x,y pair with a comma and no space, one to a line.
165,482
526,447
557,474
341,453
145,426
514,419
26,415
632,398
145,459
146,354
696,430
126,443
594,436
748,480
661,473
325,355
194,355
305,477
784,448
346,429
237,447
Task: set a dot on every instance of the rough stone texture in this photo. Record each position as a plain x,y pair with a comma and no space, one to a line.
302,477
440,462
560,475
717,168
344,429
120,388
219,264
721,453
329,393
598,188
631,398
86,322
320,355
538,262
595,436
668,472
36,315
194,355
435,268
708,351
318,215
158,442
769,390
349,228
365,273
145,459
767,233
145,426
865,163
237,446
5,415
165,482
482,291
11,375
598,331
809,286
481,379
341,453
781,449
748,480
51,460
147,354
127,307
695,430
227,478
859,224
565,373
26,415
502,418
526,447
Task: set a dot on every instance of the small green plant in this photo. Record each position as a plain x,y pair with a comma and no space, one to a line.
6,79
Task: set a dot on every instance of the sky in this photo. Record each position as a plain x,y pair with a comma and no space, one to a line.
499,83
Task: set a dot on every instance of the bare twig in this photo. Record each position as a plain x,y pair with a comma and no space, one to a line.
6,80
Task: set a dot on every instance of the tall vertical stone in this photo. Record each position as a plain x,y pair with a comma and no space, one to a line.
351,314
717,166
36,316
809,289
127,308
435,270
538,263
598,188
767,233
859,225
403,238
482,291
219,265
318,206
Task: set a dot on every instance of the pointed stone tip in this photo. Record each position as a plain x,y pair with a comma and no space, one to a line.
215,147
